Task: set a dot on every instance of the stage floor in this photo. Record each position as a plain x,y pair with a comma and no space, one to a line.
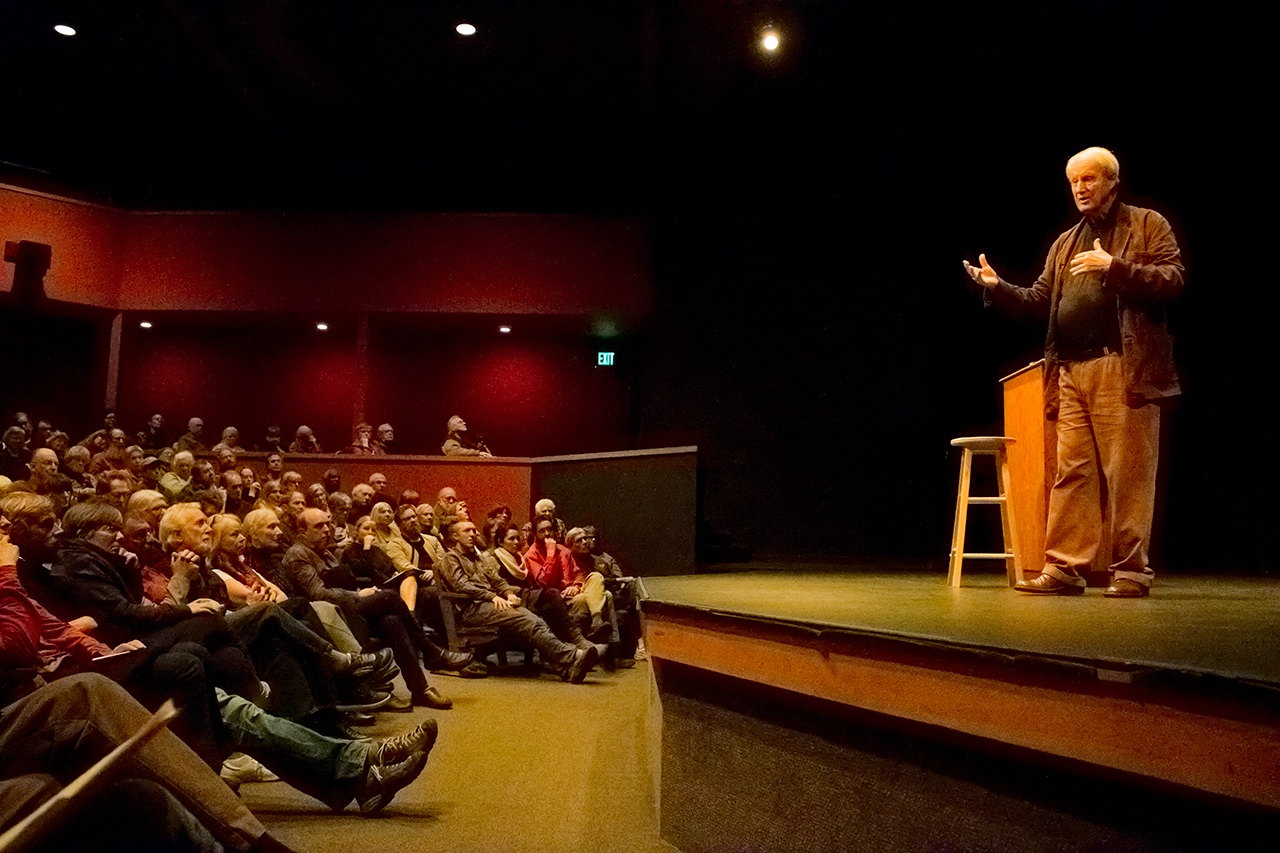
1222,626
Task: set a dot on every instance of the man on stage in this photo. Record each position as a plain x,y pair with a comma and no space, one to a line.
1105,290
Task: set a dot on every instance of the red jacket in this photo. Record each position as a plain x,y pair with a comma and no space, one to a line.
554,571
32,638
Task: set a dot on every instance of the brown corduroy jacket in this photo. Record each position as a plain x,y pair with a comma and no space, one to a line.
1145,274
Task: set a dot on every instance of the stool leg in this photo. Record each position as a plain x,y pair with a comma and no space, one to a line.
1013,563
962,515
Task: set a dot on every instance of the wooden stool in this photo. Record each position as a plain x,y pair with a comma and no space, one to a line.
984,445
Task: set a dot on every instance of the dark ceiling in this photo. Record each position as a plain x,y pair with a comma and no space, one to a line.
607,105
551,105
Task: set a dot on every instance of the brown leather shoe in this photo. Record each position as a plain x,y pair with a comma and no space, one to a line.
432,698
1125,588
1049,585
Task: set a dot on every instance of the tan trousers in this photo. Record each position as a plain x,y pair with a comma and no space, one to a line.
592,596
1106,451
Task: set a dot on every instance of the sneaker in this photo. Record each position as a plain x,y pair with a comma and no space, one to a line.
584,660
382,782
240,768
396,749
641,652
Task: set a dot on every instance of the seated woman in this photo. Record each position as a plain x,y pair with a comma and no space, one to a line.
363,563
387,538
362,443
244,585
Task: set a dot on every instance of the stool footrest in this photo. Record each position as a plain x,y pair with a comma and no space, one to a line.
991,556
995,500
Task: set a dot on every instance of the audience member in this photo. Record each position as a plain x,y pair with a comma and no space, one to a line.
380,493
546,508
272,442
385,442
176,484
190,440
305,441
14,455
362,443
114,457
225,456
152,436
458,444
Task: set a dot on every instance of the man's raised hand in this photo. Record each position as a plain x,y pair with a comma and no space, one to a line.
1095,260
983,274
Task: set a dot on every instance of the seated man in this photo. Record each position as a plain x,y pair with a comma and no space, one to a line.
551,566
176,484
152,436
546,509
448,509
497,604
458,444
114,456
45,480
385,442
625,592
225,456
190,440
380,490
304,441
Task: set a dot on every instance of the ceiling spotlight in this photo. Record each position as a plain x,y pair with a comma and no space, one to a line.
64,30
769,39
506,330
465,29
145,324
322,327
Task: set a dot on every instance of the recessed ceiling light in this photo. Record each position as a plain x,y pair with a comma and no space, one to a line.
323,327
769,39
145,324
504,329
466,29
64,30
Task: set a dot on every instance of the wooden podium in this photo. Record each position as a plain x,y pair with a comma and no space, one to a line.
1033,463
1032,460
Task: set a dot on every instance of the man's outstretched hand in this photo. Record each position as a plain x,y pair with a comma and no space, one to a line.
983,274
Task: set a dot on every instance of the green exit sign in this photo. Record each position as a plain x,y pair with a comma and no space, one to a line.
604,359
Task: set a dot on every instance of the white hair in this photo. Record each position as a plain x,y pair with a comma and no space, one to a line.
1099,157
